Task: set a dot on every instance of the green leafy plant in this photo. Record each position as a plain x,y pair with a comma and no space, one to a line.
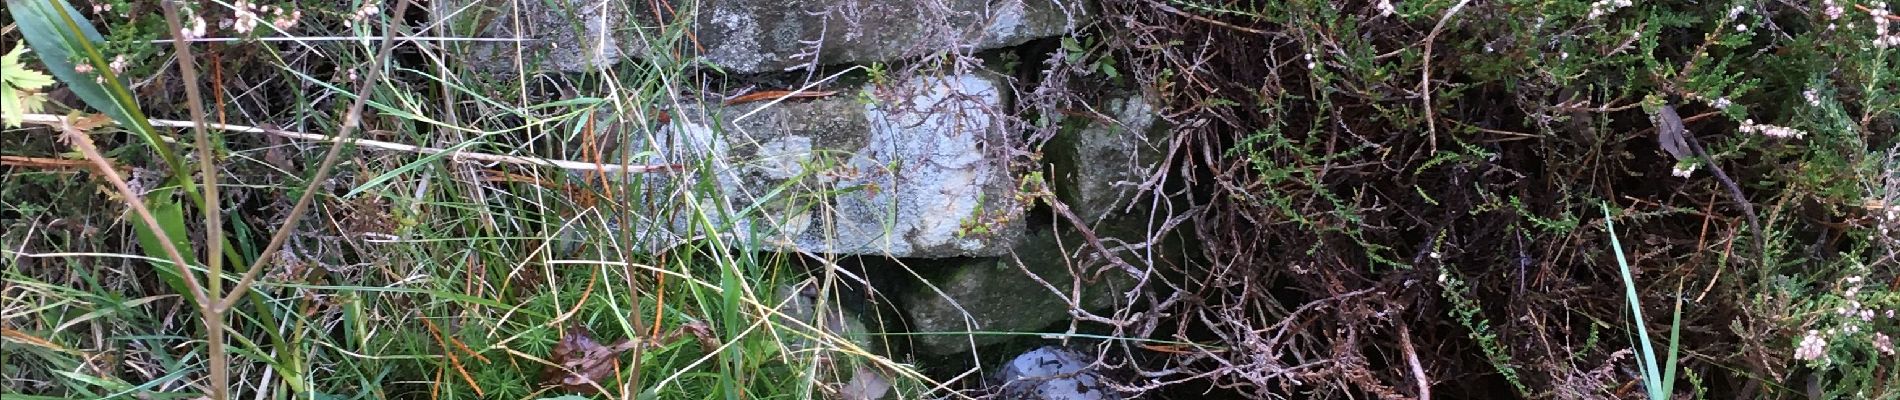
1084,51
19,87
1470,314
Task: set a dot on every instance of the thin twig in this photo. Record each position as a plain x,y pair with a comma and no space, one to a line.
1176,11
1425,84
455,155
219,360
1748,209
1418,369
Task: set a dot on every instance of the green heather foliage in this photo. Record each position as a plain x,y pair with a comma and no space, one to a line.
1475,137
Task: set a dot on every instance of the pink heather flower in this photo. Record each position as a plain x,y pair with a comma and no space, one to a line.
118,64
1812,347
369,9
286,20
1883,343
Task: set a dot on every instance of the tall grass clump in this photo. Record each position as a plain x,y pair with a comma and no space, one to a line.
463,232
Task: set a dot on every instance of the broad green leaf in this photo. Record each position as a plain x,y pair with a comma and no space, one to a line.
171,218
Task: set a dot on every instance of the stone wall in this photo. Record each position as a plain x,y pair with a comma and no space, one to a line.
917,167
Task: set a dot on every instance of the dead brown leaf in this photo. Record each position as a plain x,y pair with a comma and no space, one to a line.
88,122
703,334
583,362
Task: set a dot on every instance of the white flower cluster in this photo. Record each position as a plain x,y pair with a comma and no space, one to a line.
1749,126
1883,343
247,15
283,19
1853,309
119,64
1386,9
1813,347
194,25
1605,7
1682,171
369,9
1884,36
1813,95
1735,14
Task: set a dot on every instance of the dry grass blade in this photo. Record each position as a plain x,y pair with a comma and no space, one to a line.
776,95
54,120
16,336
50,163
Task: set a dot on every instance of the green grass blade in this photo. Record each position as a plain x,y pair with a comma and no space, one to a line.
1651,372
1675,338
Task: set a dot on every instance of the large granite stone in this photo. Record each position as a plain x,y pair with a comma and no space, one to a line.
770,35
560,35
913,169
749,36
995,295
1101,164
1053,373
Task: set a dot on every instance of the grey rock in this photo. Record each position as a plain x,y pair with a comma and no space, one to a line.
1101,165
995,295
564,35
749,36
1053,373
909,170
